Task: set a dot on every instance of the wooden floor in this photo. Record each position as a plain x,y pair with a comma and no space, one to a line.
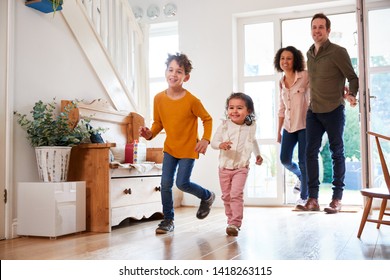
266,234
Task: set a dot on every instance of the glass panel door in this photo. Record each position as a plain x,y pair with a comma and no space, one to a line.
379,87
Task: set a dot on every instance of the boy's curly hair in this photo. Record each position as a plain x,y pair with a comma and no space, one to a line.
182,60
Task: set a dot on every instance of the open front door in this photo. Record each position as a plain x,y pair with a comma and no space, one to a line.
377,85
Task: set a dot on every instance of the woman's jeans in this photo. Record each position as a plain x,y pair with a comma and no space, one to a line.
289,141
184,168
316,125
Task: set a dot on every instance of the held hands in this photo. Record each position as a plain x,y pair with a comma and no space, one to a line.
201,146
350,98
145,132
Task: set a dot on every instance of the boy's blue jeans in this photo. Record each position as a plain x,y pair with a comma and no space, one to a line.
316,125
289,141
184,168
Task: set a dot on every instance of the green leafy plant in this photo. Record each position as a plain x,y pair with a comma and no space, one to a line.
56,4
47,128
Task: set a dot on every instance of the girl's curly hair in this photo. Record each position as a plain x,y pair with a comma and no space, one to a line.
248,103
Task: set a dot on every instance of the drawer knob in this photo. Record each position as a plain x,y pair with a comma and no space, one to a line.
127,191
157,189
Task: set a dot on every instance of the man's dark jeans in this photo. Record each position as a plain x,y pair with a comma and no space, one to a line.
316,125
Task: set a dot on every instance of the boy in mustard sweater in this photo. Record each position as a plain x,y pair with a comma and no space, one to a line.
177,111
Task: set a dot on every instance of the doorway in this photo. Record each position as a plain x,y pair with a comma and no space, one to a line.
344,33
271,184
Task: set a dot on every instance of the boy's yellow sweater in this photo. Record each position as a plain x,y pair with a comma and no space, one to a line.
179,118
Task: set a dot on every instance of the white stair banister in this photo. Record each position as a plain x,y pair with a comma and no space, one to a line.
109,35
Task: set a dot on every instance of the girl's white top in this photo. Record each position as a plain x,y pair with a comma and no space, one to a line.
243,138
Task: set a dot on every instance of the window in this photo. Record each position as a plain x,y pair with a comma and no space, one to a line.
259,52
258,81
379,60
163,39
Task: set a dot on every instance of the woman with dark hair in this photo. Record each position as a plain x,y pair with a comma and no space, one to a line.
293,105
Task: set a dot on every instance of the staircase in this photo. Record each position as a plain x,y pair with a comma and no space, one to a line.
112,41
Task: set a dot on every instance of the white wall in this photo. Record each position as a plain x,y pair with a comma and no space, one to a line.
48,63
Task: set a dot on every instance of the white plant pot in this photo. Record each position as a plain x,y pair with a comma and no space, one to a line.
53,163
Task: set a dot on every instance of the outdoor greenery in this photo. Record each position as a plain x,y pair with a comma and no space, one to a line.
351,143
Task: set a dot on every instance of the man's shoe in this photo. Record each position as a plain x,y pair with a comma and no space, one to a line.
311,205
165,226
204,207
300,202
334,207
232,230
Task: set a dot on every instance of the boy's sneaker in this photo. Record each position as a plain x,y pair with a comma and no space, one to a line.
204,207
297,187
232,230
165,226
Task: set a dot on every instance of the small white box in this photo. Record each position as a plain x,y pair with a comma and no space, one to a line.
51,209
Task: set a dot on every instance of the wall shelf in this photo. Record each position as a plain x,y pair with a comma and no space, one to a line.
45,6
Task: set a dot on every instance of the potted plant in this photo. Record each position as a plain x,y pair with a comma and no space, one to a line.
52,135
45,6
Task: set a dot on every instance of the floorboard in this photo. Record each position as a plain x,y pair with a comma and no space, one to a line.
267,233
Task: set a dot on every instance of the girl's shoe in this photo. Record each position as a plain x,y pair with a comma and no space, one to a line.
232,230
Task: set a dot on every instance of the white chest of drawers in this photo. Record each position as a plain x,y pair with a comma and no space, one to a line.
135,195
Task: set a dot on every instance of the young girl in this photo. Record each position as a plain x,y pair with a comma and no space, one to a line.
177,111
235,138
